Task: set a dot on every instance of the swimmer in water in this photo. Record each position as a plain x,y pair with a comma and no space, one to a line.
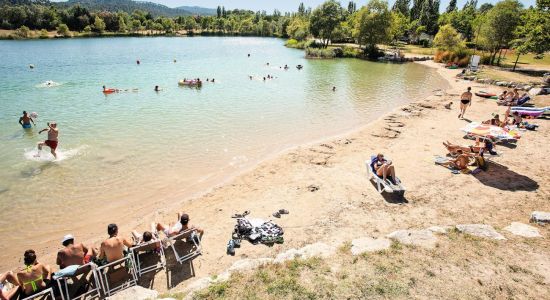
138,62
212,80
248,54
250,76
25,121
52,140
334,89
157,89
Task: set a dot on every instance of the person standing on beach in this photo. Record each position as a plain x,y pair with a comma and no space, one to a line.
465,101
25,121
52,140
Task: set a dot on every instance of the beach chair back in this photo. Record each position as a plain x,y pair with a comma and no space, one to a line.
186,245
117,276
83,284
46,294
145,253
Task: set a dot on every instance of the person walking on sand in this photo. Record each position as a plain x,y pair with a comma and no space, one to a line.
52,140
465,101
25,121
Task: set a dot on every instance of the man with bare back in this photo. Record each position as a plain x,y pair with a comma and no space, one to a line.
51,142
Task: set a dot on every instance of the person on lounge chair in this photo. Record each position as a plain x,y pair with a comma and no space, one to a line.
384,168
35,277
180,226
146,237
112,249
495,121
503,95
460,162
9,277
74,254
476,150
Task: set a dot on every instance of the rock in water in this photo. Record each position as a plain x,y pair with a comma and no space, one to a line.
480,230
423,238
523,230
540,217
367,244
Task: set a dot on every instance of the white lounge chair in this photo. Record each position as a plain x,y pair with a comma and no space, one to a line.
46,294
117,276
381,185
189,237
150,249
83,284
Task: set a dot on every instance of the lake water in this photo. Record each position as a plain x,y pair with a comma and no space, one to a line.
126,154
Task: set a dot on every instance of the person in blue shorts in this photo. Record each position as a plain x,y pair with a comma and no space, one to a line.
25,121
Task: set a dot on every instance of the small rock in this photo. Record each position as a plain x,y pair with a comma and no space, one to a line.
540,217
439,229
367,244
480,230
523,230
135,293
313,188
422,238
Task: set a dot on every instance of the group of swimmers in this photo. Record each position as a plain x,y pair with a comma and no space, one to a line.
35,276
53,133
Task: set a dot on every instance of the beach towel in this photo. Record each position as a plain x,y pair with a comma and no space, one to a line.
259,231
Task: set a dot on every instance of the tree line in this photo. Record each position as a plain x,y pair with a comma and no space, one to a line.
487,27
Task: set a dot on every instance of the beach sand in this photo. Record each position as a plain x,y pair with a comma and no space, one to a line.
326,189
325,186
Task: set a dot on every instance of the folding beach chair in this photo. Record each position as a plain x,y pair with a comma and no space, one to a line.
83,284
381,185
189,245
46,294
117,276
150,251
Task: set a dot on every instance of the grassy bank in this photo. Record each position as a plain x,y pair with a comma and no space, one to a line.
460,267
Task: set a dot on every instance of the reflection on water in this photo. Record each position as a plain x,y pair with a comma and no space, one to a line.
125,153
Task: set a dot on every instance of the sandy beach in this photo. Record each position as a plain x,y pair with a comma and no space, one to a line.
325,187
330,199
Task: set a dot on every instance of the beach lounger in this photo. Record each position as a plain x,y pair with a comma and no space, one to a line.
117,276
188,243
83,284
46,294
148,252
381,185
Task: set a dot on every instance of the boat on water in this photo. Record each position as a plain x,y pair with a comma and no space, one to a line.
185,82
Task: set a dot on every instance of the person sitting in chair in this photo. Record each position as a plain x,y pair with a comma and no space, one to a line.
180,226
384,168
35,277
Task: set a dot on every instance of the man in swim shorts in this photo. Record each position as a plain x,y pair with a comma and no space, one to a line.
73,254
25,121
51,142
180,226
465,101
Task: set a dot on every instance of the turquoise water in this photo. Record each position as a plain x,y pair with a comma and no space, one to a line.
124,154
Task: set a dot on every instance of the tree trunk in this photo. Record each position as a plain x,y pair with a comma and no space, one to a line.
515,63
499,56
493,56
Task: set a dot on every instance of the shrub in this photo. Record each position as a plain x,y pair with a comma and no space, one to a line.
43,34
291,43
320,53
461,57
351,52
22,32
63,30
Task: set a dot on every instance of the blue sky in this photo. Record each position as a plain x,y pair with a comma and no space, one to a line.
288,5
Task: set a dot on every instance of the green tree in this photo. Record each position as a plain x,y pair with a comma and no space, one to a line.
301,9
399,25
416,9
219,12
63,30
374,26
298,28
99,25
448,39
43,34
22,32
498,29
121,24
533,35
324,20
352,7
452,6
402,6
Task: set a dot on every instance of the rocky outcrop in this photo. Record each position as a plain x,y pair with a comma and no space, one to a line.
480,230
423,238
368,244
523,230
540,217
135,293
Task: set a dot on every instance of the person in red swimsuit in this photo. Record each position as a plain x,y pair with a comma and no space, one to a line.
52,140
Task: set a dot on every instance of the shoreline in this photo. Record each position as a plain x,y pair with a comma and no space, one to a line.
166,205
346,204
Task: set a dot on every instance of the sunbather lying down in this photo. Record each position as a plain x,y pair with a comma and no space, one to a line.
180,226
478,150
460,162
384,168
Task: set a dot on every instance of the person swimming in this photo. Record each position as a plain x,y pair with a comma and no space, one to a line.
157,89
25,121
138,62
334,89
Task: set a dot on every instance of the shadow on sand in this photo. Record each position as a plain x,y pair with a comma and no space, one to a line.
502,178
393,198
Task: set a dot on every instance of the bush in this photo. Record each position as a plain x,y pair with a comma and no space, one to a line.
459,57
485,59
22,32
63,30
43,34
351,52
320,53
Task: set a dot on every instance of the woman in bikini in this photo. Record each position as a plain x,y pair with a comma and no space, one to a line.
35,277
465,101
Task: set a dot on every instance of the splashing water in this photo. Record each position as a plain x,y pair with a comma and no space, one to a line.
45,155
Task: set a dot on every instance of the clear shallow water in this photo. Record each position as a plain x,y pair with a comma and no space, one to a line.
124,154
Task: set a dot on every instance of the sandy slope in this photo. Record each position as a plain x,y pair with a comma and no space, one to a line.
347,206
